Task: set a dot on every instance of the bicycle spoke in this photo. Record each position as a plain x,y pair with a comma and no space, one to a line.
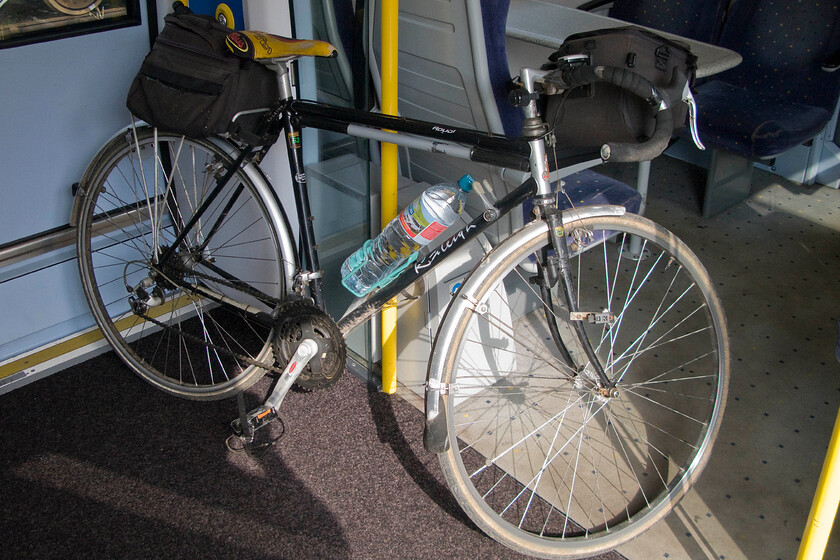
545,451
197,323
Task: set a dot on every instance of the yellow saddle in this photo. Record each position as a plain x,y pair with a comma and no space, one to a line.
256,45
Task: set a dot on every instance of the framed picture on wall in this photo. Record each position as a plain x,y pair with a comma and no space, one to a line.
31,21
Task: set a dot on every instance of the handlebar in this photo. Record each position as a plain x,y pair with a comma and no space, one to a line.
568,78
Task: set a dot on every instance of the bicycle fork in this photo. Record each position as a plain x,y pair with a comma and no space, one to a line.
544,202
559,267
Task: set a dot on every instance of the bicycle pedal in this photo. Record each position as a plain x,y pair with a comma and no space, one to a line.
602,318
256,419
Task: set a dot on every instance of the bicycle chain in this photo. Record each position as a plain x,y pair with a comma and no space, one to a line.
241,357
226,351
291,305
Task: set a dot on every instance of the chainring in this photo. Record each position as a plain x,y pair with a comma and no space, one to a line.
301,319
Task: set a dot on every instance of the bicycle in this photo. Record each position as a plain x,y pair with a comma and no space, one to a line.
576,384
71,7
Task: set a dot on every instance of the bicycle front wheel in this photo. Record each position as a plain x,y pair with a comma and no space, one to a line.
183,277
544,456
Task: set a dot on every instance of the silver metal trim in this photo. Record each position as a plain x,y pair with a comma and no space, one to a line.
55,240
34,247
410,141
250,112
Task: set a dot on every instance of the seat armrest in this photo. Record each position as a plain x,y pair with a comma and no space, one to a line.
831,63
593,5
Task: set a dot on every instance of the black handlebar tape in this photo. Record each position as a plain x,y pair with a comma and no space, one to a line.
629,81
639,86
510,159
663,123
569,78
623,152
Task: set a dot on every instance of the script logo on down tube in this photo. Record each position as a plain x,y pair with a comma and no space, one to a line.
444,247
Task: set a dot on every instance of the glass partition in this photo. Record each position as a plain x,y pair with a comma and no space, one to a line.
338,167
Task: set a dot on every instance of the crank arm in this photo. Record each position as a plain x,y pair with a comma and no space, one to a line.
265,413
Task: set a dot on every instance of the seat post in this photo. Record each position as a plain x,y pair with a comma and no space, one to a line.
284,80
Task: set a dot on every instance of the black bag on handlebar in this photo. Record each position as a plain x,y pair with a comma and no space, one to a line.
191,84
598,113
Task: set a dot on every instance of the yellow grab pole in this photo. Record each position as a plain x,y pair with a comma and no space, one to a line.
390,168
825,503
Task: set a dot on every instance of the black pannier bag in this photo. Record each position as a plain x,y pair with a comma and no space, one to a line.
592,115
191,84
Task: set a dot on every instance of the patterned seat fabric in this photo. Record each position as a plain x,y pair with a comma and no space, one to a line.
779,96
494,20
694,19
588,188
585,187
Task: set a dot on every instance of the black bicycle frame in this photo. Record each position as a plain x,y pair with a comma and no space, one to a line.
292,116
483,147
500,151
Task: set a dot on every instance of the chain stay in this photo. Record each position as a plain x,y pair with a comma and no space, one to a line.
215,347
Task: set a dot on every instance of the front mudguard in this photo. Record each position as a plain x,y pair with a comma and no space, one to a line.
435,435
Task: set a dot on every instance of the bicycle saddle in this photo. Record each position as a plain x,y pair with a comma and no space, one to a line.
256,45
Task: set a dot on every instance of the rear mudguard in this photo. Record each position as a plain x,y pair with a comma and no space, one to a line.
262,183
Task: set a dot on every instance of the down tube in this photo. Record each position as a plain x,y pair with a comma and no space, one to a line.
364,310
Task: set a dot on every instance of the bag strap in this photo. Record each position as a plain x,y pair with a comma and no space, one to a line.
204,26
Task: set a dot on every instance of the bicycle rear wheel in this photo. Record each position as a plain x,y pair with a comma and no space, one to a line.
199,324
74,7
543,457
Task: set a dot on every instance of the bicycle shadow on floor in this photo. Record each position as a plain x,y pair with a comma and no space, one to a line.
394,417
98,465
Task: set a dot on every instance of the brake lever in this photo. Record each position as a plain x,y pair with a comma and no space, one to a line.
688,99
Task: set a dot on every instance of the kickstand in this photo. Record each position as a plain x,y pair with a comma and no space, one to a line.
247,435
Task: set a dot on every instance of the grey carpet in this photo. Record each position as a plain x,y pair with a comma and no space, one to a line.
96,464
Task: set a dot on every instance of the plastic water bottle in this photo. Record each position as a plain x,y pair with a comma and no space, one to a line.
380,260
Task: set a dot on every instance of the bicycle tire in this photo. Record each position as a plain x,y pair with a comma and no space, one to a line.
74,7
167,321
540,458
